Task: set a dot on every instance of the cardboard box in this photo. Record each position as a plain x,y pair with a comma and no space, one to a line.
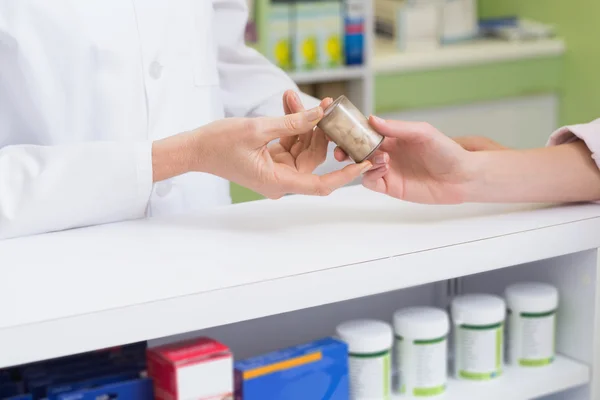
199,369
279,47
305,35
313,371
330,33
139,389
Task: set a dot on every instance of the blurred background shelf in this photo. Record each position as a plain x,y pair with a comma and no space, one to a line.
485,51
329,75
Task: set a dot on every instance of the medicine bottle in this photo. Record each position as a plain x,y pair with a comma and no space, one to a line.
369,346
478,321
421,350
531,323
343,123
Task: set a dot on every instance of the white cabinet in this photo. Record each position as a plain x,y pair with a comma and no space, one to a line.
523,122
268,274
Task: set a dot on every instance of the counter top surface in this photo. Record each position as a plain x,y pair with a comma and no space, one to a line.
116,265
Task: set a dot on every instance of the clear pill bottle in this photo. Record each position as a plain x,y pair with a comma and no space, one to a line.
421,339
369,346
478,321
531,323
343,123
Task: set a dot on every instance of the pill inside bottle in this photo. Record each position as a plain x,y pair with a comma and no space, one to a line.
347,127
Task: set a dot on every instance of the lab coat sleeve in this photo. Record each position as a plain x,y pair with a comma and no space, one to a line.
588,133
250,84
50,188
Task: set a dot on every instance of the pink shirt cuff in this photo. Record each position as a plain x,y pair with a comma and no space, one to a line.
589,133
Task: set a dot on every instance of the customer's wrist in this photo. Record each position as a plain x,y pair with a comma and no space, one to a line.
475,188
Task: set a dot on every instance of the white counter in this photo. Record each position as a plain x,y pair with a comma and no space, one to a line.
89,288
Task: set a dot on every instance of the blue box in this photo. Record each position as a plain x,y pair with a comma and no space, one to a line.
313,371
54,391
121,355
10,389
27,396
39,386
139,389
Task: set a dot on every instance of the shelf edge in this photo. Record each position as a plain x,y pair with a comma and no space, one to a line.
467,55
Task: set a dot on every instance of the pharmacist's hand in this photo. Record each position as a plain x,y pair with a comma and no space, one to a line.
425,166
303,152
237,150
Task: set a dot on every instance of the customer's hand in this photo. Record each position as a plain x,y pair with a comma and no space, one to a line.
237,150
478,143
425,166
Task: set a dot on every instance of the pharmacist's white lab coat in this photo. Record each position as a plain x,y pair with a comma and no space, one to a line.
87,85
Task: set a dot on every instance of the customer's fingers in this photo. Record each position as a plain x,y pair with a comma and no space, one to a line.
290,125
373,180
314,185
404,130
376,172
377,185
340,154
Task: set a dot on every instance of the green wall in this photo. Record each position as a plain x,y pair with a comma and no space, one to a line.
468,84
577,23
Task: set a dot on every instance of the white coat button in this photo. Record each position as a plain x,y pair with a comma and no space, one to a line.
163,188
156,70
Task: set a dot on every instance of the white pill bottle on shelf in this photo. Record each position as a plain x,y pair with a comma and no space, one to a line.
478,321
531,323
421,339
369,360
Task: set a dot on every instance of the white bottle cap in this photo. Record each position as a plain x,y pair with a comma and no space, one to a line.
478,309
366,336
531,297
421,323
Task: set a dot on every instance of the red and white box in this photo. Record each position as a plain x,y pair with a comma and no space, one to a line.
198,369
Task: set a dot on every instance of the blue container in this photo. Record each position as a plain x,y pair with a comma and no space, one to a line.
313,371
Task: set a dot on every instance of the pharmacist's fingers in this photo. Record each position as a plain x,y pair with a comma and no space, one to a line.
291,104
340,154
315,140
272,128
378,158
319,142
326,102
296,144
314,185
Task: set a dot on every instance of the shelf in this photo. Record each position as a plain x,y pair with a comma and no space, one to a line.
329,75
521,384
388,59
119,283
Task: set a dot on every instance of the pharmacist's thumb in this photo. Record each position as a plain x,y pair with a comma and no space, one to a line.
404,130
292,124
